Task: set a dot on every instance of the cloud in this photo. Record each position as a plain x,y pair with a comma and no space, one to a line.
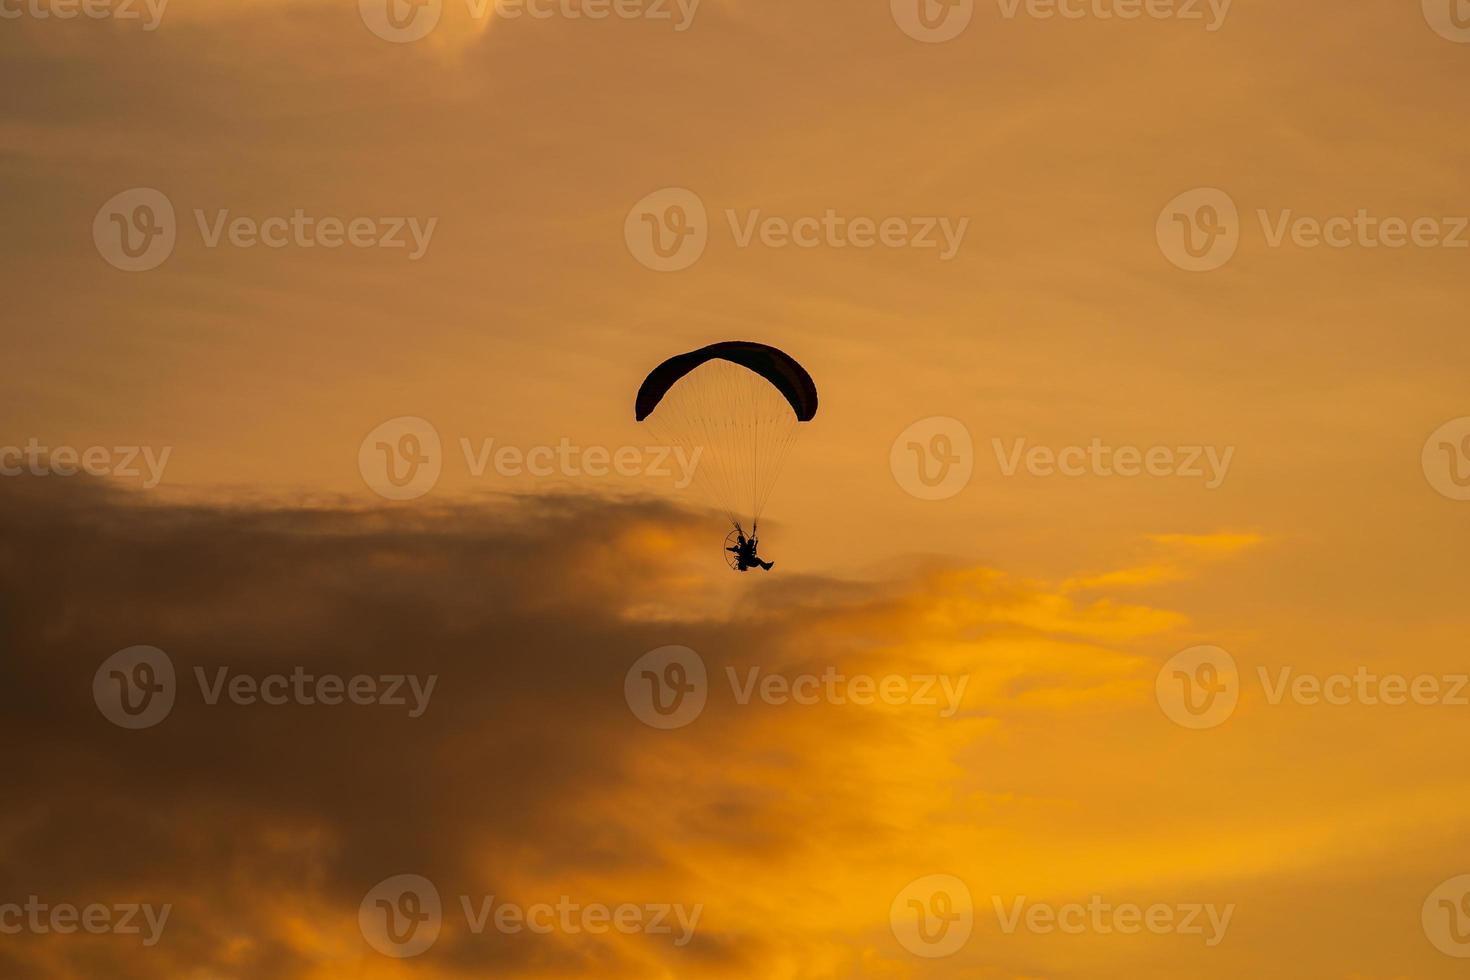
528,777
1177,558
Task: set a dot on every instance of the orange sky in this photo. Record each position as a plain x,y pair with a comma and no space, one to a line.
1325,380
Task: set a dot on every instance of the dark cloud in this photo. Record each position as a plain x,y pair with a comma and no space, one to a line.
237,813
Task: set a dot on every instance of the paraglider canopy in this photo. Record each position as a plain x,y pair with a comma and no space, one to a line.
735,407
776,366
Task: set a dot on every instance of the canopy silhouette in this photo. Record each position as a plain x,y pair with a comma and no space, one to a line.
735,407
776,366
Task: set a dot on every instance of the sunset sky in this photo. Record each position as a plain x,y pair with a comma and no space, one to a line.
1300,380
